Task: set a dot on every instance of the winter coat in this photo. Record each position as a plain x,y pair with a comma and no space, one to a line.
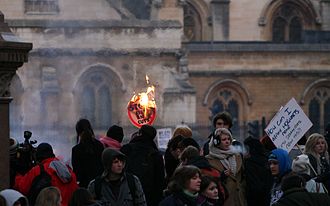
235,185
300,197
109,142
170,164
258,180
180,199
124,196
146,162
62,177
86,161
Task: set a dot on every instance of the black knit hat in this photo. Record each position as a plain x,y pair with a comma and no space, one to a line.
44,151
148,131
116,132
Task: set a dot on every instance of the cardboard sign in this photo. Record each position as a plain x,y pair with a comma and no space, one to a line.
163,136
288,126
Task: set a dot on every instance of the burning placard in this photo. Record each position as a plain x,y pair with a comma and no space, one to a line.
141,108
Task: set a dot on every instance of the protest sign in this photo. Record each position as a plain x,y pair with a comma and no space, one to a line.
163,136
288,126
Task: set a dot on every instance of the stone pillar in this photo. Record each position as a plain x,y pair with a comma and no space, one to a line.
325,11
13,53
4,134
220,19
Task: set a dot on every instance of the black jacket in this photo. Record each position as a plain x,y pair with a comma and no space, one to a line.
300,197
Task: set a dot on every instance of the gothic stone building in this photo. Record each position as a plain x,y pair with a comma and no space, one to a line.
203,56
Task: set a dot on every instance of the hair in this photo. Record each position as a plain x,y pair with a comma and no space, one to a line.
189,153
225,116
206,181
174,142
50,196
181,177
188,142
81,197
310,145
82,125
3,201
185,131
292,180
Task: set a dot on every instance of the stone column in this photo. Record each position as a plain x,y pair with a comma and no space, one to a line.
325,11
220,19
13,53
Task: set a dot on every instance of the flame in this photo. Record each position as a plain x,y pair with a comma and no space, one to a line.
146,100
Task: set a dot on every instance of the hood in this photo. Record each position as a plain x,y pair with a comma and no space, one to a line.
108,155
12,196
62,171
283,159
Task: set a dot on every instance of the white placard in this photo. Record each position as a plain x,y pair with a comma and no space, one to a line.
288,126
163,136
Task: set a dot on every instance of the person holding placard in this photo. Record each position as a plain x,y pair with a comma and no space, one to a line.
317,150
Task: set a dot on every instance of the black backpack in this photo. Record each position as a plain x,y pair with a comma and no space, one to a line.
40,182
130,182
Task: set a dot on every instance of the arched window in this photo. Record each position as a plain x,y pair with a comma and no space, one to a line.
287,25
226,100
319,109
192,23
95,98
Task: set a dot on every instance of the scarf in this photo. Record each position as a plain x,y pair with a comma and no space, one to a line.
226,157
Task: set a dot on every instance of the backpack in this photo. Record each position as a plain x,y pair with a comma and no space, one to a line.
130,182
40,182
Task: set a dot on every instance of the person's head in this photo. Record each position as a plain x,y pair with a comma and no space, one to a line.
86,136
292,180
50,196
116,132
189,153
81,197
301,165
14,198
254,146
279,162
82,125
209,187
222,120
44,151
113,162
147,131
185,178
222,139
173,146
316,145
185,142
184,131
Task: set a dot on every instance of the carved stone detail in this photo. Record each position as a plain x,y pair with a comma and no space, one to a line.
5,79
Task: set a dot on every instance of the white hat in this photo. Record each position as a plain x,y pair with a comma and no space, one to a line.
12,196
301,164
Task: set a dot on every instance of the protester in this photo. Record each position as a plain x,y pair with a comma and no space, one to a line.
14,198
220,120
184,131
229,163
171,157
280,165
82,197
317,150
114,138
295,193
115,186
191,156
50,196
301,166
61,175
208,194
184,187
86,155
257,173
146,162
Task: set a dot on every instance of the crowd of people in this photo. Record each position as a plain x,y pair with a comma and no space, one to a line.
103,172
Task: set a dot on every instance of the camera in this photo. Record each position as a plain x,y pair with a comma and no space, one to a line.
22,155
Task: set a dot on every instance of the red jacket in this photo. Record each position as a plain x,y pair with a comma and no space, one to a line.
67,184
